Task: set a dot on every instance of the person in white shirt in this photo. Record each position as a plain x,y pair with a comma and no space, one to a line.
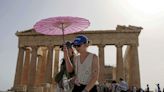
123,85
86,66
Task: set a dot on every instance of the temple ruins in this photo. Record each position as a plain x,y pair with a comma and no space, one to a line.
38,57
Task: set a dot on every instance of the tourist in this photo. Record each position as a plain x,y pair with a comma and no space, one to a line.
134,89
140,90
114,87
158,88
104,86
147,89
63,76
123,85
86,66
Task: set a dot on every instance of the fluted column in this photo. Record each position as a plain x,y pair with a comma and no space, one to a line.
43,65
126,63
134,72
119,62
26,67
101,60
19,66
38,70
114,73
32,71
56,61
48,76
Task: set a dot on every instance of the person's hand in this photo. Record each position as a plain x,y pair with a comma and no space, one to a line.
65,50
77,81
64,47
72,80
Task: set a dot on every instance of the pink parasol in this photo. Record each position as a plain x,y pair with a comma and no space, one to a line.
61,25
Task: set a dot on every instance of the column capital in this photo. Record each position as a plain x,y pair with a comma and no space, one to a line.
38,55
133,45
44,48
34,46
21,47
50,46
27,48
57,48
101,45
119,45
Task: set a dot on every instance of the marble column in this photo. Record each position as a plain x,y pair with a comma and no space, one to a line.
102,64
48,76
114,73
126,63
32,70
56,61
19,67
26,67
38,70
134,72
119,62
43,65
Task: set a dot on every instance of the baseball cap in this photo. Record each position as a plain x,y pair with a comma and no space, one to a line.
81,39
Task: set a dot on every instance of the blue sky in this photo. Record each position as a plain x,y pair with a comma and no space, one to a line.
18,15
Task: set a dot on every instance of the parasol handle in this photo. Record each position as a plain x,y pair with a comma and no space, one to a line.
63,33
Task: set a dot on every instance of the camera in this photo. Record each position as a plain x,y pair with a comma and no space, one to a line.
68,45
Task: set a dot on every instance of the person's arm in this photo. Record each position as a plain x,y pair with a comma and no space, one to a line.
95,74
69,65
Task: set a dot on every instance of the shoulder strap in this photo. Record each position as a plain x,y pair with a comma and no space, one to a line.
77,66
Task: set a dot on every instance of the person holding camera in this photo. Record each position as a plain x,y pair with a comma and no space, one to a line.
62,77
86,66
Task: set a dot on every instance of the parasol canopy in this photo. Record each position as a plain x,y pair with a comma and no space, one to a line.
61,25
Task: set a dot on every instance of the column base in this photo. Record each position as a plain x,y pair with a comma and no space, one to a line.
47,87
20,88
36,89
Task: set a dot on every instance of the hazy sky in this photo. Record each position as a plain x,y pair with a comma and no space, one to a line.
18,15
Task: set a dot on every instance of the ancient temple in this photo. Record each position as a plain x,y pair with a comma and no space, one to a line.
38,57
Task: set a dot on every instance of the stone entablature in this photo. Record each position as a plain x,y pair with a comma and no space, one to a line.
107,37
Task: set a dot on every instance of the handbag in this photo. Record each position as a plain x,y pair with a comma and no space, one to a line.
60,74
67,84
59,77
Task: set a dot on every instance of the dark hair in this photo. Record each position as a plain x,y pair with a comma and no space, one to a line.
113,81
121,79
68,44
